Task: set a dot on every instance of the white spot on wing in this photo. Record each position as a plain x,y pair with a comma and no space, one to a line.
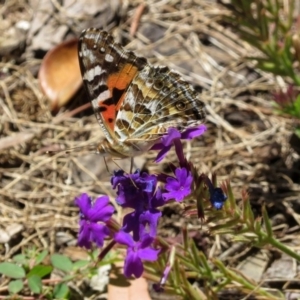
109,58
84,51
130,99
95,103
90,74
104,95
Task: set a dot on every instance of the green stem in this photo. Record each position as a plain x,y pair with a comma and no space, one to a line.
275,243
234,275
296,79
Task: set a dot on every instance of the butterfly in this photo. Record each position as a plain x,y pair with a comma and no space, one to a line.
134,102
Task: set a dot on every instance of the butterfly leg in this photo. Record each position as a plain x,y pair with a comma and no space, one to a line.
107,169
131,164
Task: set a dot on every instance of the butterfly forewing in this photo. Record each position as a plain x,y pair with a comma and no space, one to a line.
107,70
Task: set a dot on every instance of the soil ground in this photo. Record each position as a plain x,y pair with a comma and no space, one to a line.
246,140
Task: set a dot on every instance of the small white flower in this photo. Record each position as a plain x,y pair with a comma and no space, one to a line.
101,279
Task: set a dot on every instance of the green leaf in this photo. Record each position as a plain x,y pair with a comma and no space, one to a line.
297,132
21,259
95,254
267,65
80,264
297,107
257,226
40,271
61,291
15,286
11,270
62,262
68,277
35,284
41,256
267,222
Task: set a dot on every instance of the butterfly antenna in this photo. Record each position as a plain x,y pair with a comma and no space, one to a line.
131,164
91,148
151,139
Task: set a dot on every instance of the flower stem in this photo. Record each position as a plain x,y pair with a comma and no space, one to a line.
275,243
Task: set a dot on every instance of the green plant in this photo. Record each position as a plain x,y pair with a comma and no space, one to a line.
272,27
30,273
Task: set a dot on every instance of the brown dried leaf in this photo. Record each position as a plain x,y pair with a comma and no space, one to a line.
59,74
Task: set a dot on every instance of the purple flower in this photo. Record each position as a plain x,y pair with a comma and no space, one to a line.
217,196
136,252
178,187
148,221
138,191
145,220
173,137
133,190
157,200
159,287
90,231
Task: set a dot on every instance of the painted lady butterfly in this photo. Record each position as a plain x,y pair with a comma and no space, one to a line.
134,102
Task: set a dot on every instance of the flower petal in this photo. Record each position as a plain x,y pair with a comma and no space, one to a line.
84,203
168,138
217,198
132,224
146,241
192,133
124,238
98,233
149,220
101,210
157,200
162,153
171,195
148,254
172,184
117,178
181,175
133,265
84,235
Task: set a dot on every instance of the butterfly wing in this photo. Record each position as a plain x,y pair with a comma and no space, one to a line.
134,102
156,99
107,71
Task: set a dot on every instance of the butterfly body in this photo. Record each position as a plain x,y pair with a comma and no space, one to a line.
134,102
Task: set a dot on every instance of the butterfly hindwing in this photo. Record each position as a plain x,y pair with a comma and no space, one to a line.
157,99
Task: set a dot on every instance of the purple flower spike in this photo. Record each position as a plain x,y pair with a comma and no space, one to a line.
90,231
173,135
133,189
138,191
136,252
145,219
178,187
